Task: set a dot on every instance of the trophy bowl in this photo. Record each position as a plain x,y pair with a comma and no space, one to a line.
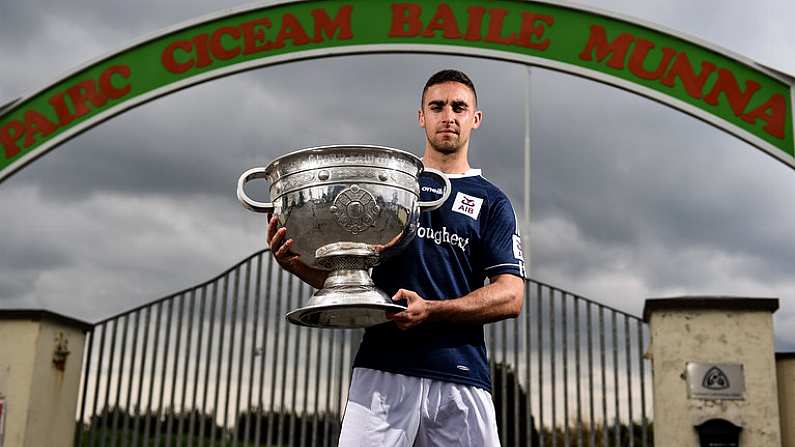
346,207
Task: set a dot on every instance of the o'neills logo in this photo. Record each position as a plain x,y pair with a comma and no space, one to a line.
443,236
438,191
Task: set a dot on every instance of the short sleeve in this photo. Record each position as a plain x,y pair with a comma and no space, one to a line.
501,242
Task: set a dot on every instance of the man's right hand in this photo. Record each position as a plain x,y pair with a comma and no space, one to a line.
290,261
281,247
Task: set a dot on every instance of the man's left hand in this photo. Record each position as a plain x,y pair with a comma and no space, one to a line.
416,312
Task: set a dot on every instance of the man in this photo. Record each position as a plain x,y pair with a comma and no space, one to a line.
423,379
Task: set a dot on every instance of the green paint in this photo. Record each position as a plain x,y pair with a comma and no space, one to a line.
370,24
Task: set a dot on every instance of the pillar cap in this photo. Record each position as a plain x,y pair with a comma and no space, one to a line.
718,302
40,314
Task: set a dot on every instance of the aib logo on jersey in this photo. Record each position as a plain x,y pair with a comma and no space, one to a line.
467,205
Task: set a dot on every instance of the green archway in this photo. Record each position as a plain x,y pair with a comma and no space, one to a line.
739,96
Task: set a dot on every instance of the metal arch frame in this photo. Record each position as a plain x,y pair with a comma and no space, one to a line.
455,50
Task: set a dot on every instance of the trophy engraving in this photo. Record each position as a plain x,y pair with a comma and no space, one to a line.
355,209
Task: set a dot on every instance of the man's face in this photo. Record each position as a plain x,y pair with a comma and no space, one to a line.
448,115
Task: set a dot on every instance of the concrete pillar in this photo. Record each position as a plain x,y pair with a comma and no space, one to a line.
41,355
785,368
735,334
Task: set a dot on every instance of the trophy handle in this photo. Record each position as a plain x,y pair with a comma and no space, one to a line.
434,204
248,202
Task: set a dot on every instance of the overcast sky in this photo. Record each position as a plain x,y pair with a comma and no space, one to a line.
630,199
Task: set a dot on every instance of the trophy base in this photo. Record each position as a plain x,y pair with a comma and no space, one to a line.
345,307
348,299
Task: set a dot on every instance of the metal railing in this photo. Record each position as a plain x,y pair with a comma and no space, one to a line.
217,364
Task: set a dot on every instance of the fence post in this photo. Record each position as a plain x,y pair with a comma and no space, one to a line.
714,367
41,355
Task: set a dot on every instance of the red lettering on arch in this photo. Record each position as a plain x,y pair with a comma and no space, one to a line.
35,123
474,22
58,103
405,20
639,55
82,92
496,23
291,29
443,20
681,68
532,26
254,36
773,112
169,60
202,50
106,81
9,134
217,48
597,41
727,84
324,24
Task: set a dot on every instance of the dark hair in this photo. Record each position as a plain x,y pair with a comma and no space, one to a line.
449,76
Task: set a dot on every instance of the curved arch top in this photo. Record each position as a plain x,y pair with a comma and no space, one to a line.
730,92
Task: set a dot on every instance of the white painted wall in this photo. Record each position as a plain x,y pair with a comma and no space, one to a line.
41,399
714,336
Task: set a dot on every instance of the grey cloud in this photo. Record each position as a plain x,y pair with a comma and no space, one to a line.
15,288
613,177
21,257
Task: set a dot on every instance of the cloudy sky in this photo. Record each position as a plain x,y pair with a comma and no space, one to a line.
630,199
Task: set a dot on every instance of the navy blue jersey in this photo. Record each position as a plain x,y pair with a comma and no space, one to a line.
473,236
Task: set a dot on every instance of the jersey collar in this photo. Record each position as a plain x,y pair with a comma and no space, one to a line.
469,173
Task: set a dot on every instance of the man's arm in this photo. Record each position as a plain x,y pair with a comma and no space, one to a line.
500,299
291,261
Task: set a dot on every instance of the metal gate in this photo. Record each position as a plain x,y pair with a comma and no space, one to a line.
218,365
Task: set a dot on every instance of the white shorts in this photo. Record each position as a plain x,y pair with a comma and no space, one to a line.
386,409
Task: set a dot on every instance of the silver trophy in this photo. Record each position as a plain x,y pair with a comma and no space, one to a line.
346,207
